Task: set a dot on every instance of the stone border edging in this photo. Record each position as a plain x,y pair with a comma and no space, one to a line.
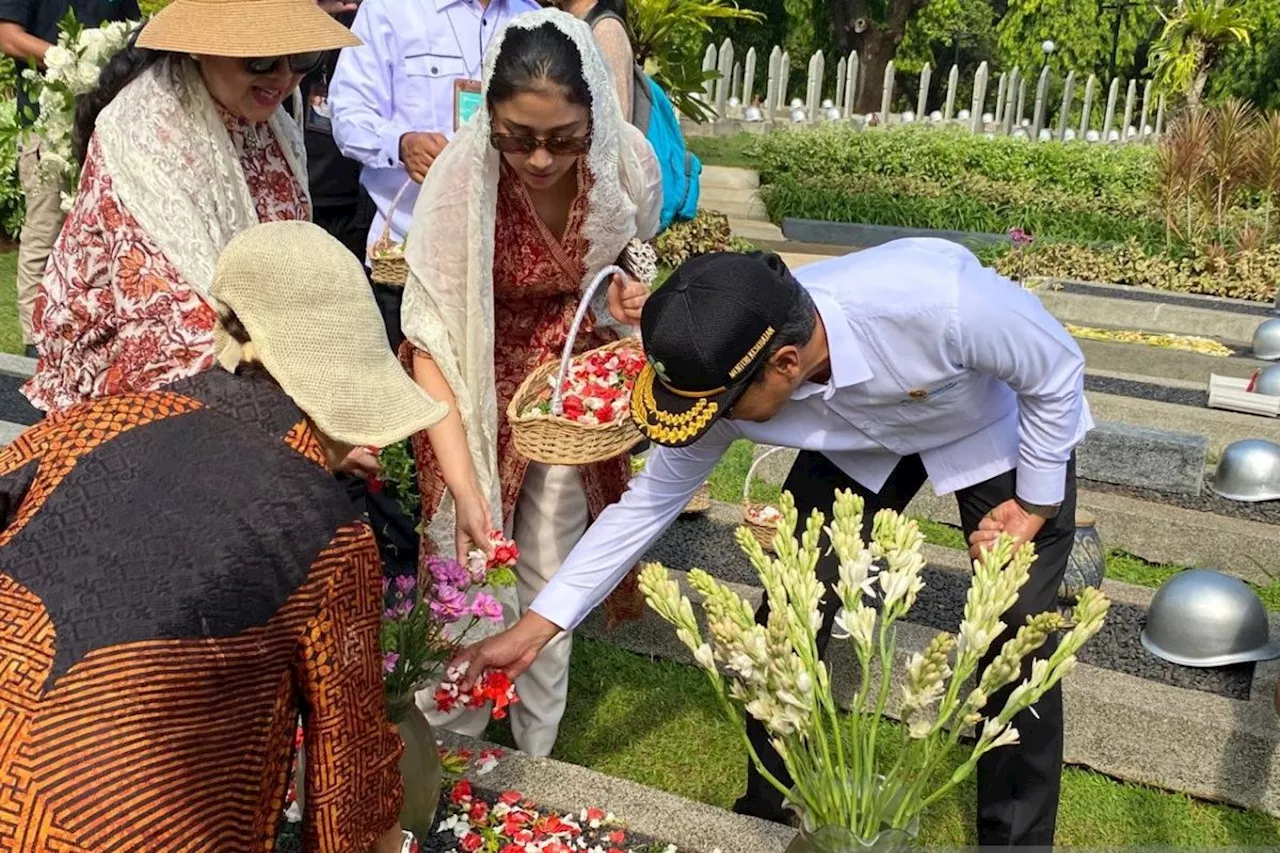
855,235
692,826
1146,315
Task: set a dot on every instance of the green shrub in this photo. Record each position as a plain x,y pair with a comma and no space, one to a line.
977,204
1112,173
12,204
706,232
1244,274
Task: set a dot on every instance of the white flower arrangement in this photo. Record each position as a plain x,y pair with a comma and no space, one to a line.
72,68
774,674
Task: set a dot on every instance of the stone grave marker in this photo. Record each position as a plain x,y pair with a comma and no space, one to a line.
1108,122
1067,97
953,80
886,97
1042,98
922,101
1127,455
979,104
1086,110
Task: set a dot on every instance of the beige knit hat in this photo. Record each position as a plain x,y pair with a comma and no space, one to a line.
245,28
313,324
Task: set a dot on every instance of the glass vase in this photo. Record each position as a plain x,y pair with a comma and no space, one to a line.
422,774
816,838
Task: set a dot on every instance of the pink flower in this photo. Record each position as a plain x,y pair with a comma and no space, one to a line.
449,605
486,607
405,584
447,572
389,661
1020,238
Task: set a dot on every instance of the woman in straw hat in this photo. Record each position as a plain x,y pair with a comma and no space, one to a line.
184,145
156,661
546,186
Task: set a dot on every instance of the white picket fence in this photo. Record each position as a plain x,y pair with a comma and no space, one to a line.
732,96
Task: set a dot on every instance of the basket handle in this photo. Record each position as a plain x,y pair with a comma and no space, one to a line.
391,211
751,472
557,404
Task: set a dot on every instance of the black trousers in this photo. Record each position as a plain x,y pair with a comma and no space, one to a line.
395,531
1018,785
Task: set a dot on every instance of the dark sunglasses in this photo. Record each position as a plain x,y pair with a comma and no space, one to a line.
299,63
557,146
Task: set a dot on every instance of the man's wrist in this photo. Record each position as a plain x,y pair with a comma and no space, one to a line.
1044,511
536,629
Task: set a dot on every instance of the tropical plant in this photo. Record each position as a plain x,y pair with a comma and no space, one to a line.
773,672
662,32
1192,41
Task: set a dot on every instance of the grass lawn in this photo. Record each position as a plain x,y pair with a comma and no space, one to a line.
736,151
657,723
10,331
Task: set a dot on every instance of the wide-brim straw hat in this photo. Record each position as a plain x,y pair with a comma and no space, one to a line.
314,325
245,28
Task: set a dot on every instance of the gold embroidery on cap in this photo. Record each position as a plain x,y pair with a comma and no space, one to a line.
755,351
666,426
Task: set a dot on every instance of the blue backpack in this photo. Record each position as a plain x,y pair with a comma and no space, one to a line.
653,114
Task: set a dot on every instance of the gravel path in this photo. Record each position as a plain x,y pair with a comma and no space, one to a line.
1268,512
1142,294
1146,391
703,543
14,407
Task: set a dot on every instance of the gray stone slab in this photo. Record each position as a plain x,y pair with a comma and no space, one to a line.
10,431
1128,727
1148,316
1220,428
856,235
1137,360
1127,455
17,365
692,826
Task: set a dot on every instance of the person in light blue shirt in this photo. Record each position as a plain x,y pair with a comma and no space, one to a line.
395,100
884,367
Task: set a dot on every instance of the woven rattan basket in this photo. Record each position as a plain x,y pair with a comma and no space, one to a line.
553,439
764,533
386,259
700,502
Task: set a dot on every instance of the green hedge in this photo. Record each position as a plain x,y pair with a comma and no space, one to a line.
978,204
950,157
11,201
928,177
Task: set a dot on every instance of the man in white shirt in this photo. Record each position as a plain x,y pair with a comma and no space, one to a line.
884,367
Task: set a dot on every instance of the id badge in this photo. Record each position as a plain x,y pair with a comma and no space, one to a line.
466,100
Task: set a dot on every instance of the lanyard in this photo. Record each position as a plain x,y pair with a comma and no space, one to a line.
480,45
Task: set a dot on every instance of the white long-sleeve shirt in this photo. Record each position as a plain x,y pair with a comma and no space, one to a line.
401,80
931,353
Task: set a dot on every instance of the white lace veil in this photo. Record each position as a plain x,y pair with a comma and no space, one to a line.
173,166
448,300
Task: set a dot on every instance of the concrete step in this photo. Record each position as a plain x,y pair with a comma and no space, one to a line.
756,230
729,177
712,196
737,210
1220,427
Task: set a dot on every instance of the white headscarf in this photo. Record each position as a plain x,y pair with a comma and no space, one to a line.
448,300
172,163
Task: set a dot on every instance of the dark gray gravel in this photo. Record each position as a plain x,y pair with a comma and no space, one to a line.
1146,391
1267,512
1141,294
701,542
14,407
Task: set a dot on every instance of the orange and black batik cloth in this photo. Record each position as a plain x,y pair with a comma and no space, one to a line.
180,579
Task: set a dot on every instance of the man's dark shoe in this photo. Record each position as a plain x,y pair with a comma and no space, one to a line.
765,810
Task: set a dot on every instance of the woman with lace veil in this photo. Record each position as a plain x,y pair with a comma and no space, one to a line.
184,145
542,189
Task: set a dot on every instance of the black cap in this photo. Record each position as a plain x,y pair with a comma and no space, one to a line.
705,332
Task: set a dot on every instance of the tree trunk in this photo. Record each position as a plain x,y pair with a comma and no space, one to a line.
1196,94
875,40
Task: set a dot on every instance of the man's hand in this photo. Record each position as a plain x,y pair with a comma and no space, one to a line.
418,151
1008,518
512,651
336,7
361,462
626,299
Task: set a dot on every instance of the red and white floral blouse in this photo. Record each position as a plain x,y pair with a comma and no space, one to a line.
113,314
